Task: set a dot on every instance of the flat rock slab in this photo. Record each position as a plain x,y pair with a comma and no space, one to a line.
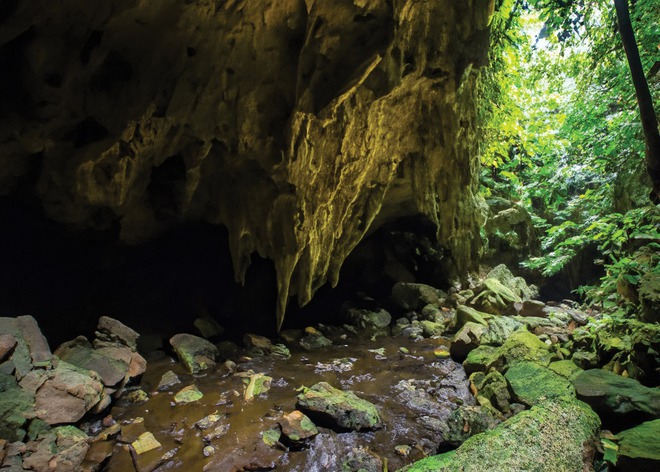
338,407
639,447
608,392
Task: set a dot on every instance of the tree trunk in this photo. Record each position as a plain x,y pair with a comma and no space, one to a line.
644,100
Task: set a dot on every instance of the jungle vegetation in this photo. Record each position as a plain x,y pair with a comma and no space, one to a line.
564,139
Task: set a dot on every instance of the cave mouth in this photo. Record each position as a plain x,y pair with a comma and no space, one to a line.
67,278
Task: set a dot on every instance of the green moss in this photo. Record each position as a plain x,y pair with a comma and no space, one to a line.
641,442
466,314
566,368
532,383
551,437
524,346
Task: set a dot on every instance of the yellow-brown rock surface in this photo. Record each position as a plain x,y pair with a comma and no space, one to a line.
300,125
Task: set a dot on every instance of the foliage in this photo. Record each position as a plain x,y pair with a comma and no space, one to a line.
563,136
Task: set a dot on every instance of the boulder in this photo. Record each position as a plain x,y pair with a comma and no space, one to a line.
524,346
66,393
113,331
466,339
31,348
554,436
516,284
62,449
491,390
7,345
532,383
639,448
411,296
297,426
196,354
466,421
566,368
465,314
500,328
370,323
495,298
610,393
482,359
339,408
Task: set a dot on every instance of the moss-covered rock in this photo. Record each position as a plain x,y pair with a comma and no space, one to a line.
524,346
491,390
465,314
196,353
554,436
639,447
532,383
496,298
482,359
14,404
466,421
466,339
610,393
500,328
566,368
339,408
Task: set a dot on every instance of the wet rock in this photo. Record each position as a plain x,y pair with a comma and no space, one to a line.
16,405
196,354
610,393
412,296
339,408
297,426
649,297
466,421
639,448
188,394
145,443
168,380
112,331
257,384
466,339
370,323
208,421
361,460
551,437
313,341
63,449
66,393
532,383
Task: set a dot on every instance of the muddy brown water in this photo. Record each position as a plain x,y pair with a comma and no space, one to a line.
354,365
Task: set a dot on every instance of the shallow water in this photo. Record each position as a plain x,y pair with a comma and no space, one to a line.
384,379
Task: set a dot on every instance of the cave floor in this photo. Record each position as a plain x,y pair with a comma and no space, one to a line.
376,370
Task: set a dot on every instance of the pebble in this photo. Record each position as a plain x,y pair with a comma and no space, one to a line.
209,451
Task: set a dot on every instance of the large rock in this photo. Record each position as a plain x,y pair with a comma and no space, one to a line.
532,383
610,393
299,133
65,393
30,348
340,408
62,449
16,405
110,330
551,437
196,353
639,448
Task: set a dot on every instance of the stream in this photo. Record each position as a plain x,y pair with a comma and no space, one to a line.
413,389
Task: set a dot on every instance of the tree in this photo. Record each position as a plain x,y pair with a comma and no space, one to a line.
644,100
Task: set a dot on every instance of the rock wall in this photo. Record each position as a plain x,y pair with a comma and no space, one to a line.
300,125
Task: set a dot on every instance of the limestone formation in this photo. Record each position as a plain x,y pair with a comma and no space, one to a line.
300,125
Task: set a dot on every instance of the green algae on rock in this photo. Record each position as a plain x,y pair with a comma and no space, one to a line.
566,368
188,394
639,448
532,383
342,408
554,436
196,353
607,392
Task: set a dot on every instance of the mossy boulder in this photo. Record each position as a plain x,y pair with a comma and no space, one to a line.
532,383
465,314
196,353
500,328
492,390
339,408
15,403
639,447
524,346
466,339
554,436
495,298
482,359
610,393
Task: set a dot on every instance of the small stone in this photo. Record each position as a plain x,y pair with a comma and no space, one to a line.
146,442
188,394
168,379
441,352
402,449
297,426
208,421
259,384
404,350
271,437
208,451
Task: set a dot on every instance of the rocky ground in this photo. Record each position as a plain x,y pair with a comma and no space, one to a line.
485,378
